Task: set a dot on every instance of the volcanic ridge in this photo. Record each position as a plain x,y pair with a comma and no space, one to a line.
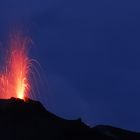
29,120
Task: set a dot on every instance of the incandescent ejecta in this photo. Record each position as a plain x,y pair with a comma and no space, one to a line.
14,76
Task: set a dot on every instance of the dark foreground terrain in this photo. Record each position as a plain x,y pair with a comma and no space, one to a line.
29,120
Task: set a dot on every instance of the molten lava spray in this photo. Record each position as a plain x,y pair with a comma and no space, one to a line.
14,80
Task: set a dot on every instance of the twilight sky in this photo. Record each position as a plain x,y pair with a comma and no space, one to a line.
89,51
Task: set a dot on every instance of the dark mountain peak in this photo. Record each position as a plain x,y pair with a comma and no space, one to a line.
17,106
28,119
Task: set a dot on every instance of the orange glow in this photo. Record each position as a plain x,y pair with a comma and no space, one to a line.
14,77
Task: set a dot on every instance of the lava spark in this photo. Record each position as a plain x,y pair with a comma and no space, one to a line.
14,80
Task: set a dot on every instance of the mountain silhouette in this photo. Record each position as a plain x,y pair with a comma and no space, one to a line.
20,120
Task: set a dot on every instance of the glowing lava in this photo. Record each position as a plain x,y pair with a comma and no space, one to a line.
14,80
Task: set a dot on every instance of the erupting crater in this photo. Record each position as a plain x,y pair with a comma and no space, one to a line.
14,75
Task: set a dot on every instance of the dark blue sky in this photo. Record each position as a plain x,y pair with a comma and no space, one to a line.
90,55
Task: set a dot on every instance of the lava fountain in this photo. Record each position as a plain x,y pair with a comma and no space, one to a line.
14,80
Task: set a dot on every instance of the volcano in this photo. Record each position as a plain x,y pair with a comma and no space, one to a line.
29,120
